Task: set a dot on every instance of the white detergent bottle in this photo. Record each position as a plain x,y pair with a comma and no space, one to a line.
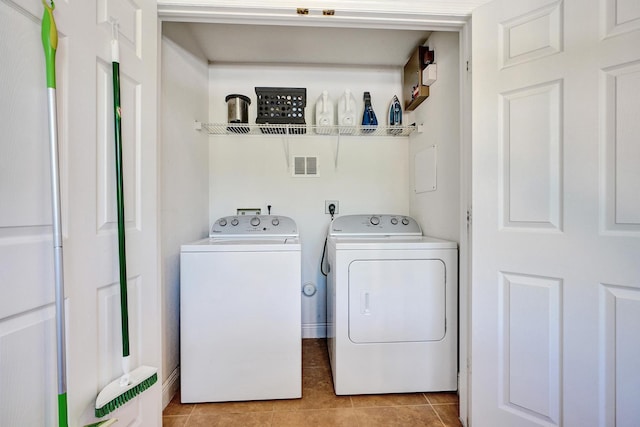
324,113
347,112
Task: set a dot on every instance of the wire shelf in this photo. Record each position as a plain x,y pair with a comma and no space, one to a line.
312,130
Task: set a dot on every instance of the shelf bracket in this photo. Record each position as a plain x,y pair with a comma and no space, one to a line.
285,146
336,154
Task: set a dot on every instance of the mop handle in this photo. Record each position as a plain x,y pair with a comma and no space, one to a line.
50,44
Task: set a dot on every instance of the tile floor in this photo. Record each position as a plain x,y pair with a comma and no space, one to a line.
319,405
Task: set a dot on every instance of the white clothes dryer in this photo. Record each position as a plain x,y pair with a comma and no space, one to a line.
392,297
240,321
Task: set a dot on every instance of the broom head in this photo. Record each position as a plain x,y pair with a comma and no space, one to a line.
115,395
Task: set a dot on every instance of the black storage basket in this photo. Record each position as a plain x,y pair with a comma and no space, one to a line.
281,106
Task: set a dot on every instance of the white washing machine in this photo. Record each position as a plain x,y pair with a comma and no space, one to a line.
240,321
392,297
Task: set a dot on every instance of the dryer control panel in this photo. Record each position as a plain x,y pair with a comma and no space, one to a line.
254,226
374,225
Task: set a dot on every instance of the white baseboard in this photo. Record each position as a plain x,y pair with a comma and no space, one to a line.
170,387
314,330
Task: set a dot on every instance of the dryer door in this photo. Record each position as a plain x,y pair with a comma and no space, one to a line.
396,300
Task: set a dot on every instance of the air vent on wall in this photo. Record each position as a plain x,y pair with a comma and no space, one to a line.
305,166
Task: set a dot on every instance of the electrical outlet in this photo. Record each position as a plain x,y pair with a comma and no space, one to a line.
327,203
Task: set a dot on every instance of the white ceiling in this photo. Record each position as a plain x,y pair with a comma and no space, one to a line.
234,43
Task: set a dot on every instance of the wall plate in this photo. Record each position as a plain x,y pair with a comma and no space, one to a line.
331,202
248,211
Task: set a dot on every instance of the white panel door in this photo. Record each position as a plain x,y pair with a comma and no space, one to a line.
556,197
93,289
27,333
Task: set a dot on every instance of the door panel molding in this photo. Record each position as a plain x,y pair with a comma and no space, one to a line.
620,151
620,355
530,327
531,36
619,17
531,167
28,374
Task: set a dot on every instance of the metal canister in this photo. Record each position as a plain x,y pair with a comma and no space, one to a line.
237,112
238,108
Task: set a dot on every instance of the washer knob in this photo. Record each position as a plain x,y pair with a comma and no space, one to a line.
275,222
394,221
235,222
222,222
374,220
255,221
405,221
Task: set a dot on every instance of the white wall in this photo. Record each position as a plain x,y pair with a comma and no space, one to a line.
251,171
438,211
184,182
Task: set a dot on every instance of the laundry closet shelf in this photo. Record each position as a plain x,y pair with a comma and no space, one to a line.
303,130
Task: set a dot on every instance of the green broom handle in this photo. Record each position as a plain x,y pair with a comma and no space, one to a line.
50,44
120,201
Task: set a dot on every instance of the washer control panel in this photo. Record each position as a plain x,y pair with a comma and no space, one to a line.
254,225
375,225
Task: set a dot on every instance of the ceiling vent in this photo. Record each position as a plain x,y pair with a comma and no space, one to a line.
305,166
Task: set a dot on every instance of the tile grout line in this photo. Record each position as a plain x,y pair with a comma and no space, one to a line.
434,410
193,409
437,415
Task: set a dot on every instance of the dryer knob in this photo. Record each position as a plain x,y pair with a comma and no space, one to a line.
255,221
394,221
222,222
405,221
374,220
275,222
235,222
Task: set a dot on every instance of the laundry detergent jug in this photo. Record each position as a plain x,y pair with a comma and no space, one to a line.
347,112
324,114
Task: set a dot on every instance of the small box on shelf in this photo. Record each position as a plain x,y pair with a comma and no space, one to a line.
430,74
